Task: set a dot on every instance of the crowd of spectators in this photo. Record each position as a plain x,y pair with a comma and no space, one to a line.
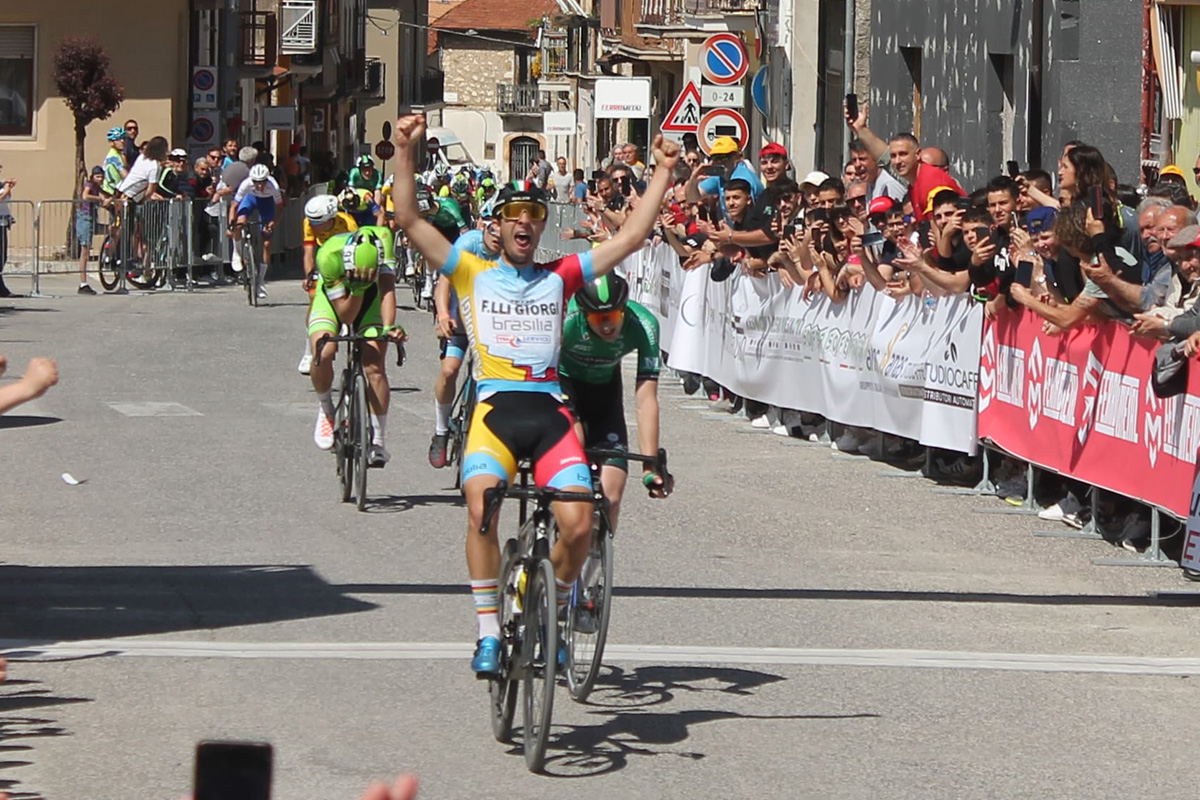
1077,246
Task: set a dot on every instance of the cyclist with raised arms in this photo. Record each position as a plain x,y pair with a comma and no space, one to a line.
356,286
322,221
485,243
512,309
602,326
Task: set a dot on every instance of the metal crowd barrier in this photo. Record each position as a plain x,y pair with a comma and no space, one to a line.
18,250
562,217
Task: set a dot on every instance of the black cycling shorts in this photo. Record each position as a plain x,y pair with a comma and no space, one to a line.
600,408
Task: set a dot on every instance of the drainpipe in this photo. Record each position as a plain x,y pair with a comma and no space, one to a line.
1147,80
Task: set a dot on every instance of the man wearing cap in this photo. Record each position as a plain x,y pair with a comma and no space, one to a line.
726,153
170,182
1172,174
879,182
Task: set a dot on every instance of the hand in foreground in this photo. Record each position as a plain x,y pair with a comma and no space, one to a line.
445,326
409,130
405,788
666,153
657,485
1150,326
40,375
1191,345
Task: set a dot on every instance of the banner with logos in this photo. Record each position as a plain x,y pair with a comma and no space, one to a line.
904,366
1081,404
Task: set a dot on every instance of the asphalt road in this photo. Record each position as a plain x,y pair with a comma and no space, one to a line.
788,624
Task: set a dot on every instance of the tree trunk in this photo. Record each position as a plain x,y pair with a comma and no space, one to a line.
76,195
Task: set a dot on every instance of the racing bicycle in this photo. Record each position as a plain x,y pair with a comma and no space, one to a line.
591,597
250,241
528,615
460,420
352,431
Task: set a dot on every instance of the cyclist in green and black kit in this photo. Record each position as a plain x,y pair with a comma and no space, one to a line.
445,214
356,286
601,327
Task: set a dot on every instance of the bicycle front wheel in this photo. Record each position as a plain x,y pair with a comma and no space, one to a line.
502,691
362,440
250,269
539,660
587,619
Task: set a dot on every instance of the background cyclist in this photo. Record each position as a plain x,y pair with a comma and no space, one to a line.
356,286
260,193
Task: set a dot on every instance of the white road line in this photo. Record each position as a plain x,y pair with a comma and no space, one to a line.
151,409
659,654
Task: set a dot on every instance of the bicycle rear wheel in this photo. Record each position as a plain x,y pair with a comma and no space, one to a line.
343,432
107,266
362,439
539,660
587,618
502,691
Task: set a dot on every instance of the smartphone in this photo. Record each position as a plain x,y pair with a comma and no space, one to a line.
702,212
872,239
233,771
1024,274
626,185
982,232
852,105
789,230
1097,202
1014,169
422,205
592,186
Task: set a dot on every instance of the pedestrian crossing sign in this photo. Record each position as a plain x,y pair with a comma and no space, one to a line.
684,116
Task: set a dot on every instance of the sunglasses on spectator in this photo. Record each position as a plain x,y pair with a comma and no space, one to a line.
599,319
861,200
514,210
131,128
1196,170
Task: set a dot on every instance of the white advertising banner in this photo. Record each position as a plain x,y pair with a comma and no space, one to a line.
622,98
907,367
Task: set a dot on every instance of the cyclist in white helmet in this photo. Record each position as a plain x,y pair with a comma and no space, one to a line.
259,192
322,221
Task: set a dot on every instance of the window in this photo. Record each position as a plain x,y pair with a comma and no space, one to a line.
16,80
912,60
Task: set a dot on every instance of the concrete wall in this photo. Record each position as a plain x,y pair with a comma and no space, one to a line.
1091,88
1187,144
154,73
801,85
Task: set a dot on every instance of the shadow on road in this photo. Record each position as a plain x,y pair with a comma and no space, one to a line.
630,729
388,504
16,729
49,604
18,421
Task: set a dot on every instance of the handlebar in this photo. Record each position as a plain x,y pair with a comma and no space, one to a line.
358,338
657,463
494,496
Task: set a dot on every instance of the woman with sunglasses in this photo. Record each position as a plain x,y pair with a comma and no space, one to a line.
512,309
602,326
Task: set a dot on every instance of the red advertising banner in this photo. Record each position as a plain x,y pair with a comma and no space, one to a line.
1081,404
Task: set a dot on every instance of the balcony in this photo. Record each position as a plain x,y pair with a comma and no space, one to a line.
259,45
710,8
299,29
368,79
430,88
672,19
553,60
520,98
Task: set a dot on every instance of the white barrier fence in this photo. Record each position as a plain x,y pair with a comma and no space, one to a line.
906,367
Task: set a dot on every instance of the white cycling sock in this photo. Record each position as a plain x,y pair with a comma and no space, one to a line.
441,418
487,606
379,426
326,401
262,274
562,592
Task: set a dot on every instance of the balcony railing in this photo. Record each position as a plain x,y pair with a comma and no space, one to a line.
554,57
298,27
520,98
431,88
661,13
260,39
705,8
372,76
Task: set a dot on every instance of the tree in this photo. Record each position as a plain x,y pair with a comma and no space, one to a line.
81,76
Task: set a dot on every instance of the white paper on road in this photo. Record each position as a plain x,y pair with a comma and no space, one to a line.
905,367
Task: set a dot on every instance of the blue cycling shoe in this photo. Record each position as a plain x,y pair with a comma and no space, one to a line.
486,663
562,652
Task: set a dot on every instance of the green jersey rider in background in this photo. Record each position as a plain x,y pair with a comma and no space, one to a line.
601,327
445,214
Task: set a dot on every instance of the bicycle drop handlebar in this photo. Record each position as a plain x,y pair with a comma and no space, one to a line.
358,338
494,496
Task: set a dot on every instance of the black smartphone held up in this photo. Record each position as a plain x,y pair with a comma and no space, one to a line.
592,186
626,185
1014,169
1024,274
233,771
789,230
852,106
982,232
1097,202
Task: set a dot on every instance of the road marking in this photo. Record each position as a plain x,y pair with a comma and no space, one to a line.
150,409
659,654
292,409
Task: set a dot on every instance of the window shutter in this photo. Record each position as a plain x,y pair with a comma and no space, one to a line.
16,41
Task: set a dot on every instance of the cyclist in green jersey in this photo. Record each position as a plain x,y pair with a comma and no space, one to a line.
602,326
445,214
356,286
365,176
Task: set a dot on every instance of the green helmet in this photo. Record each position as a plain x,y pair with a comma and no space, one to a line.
364,250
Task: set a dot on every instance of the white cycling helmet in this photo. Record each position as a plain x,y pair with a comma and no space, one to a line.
259,173
321,209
